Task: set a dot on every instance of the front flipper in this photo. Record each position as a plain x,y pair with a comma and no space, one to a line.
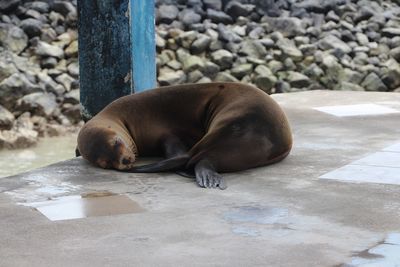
206,176
176,158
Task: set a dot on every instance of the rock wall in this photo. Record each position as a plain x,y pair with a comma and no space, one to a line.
281,45
278,45
39,90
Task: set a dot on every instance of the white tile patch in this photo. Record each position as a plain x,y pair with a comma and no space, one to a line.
382,159
365,174
356,110
393,148
381,167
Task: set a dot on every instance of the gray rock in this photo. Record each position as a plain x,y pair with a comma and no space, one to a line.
308,49
63,7
332,42
48,34
225,77
170,77
314,71
194,76
167,13
346,86
372,82
192,63
364,13
48,62
73,69
242,70
65,80
218,16
289,49
72,97
298,80
362,39
7,65
267,42
213,4
210,69
49,84
42,104
189,17
253,48
236,9
332,69
391,77
174,64
187,38
30,13
6,119
289,27
13,38
72,112
72,49
160,42
9,5
395,53
228,35
264,79
39,6
17,139
14,87
200,44
391,32
351,76
204,80
275,66
47,50
223,58
32,27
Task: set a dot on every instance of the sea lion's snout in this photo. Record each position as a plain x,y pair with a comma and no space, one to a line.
123,158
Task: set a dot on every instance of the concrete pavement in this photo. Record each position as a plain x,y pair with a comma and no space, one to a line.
335,201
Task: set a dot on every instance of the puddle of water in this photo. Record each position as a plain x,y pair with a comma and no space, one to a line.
357,110
48,151
385,254
86,205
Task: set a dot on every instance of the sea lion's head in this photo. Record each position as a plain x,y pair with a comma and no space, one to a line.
107,148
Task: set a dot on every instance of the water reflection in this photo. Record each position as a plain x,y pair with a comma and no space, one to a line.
87,205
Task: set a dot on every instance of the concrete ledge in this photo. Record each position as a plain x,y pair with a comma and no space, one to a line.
280,215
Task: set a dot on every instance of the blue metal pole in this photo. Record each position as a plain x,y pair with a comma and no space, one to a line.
116,51
143,44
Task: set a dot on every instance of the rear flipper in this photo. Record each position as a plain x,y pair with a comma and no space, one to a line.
206,176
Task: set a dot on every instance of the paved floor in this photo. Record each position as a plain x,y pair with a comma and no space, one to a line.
335,201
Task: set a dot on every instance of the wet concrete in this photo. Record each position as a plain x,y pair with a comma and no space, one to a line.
281,215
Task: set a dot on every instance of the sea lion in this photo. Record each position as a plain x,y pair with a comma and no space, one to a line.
207,128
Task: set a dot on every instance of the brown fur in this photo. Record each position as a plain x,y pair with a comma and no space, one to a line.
234,126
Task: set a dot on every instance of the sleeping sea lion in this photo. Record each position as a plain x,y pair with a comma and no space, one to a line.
200,128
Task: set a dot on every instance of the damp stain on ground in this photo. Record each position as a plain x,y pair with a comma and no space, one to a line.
246,220
384,254
90,204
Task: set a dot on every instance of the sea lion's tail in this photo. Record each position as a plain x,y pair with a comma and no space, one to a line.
171,164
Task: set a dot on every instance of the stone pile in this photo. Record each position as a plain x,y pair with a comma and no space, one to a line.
39,92
281,45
